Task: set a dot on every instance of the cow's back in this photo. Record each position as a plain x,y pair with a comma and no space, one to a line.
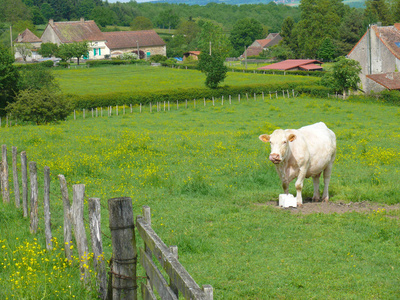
321,144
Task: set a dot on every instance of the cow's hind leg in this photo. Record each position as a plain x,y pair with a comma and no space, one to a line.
327,178
316,187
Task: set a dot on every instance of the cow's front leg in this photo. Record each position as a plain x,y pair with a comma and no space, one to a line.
299,187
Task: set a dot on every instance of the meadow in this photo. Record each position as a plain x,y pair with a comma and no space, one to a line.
139,78
208,181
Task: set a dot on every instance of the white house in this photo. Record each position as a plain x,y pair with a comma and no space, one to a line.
378,52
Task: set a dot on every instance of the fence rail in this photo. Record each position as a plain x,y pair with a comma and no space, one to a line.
123,278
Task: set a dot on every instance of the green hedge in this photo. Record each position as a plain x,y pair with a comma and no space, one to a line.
113,62
112,99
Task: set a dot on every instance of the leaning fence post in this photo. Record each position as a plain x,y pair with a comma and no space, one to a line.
46,209
97,246
124,260
79,229
174,288
34,197
24,178
208,292
4,173
67,218
15,177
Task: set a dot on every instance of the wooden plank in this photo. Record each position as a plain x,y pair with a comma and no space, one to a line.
46,209
181,278
147,293
67,218
157,279
15,177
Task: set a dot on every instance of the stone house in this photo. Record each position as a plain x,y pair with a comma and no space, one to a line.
259,45
378,52
28,37
103,44
148,41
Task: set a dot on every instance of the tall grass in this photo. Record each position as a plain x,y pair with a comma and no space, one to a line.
139,78
206,177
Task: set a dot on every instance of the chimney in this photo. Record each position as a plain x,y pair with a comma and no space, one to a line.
82,20
51,22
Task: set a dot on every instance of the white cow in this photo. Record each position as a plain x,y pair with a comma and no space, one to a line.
303,153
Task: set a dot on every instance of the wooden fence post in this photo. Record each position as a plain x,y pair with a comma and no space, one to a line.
67,218
97,246
34,197
79,229
46,209
24,178
124,260
15,177
174,288
4,175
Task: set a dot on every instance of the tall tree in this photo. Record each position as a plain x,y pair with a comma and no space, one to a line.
13,10
319,19
244,33
168,19
212,39
141,23
378,11
289,34
8,76
350,31
327,50
214,68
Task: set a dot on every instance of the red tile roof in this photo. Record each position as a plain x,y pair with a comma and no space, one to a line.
27,37
129,39
77,31
263,42
391,81
292,64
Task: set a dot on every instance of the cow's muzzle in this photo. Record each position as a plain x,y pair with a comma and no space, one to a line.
275,158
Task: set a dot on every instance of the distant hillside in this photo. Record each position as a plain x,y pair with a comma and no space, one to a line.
351,3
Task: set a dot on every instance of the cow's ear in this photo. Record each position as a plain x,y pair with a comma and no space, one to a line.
291,137
264,138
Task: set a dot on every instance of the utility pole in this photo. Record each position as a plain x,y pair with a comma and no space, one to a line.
11,43
138,53
245,57
210,48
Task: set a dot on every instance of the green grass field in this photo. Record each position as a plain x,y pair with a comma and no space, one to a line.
206,177
136,78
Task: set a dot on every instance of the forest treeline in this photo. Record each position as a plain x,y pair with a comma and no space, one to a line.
316,29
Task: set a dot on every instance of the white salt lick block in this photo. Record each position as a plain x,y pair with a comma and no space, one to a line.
287,200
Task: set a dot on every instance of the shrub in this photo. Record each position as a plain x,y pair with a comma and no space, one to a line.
158,58
63,64
39,106
47,63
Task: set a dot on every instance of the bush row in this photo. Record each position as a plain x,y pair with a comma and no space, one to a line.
97,63
126,98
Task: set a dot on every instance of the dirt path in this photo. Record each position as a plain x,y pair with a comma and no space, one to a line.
336,207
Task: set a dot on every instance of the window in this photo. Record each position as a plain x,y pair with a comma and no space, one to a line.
94,51
99,51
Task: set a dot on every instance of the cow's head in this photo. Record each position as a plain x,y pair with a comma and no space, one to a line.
279,141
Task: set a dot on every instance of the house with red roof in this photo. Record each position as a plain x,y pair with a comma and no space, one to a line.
259,45
102,44
378,52
191,55
295,64
28,37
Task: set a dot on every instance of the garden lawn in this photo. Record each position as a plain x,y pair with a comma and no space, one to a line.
139,78
207,179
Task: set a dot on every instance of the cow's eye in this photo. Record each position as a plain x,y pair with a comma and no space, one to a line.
285,142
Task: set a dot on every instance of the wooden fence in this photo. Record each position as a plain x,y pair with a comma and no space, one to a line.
167,105
122,277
